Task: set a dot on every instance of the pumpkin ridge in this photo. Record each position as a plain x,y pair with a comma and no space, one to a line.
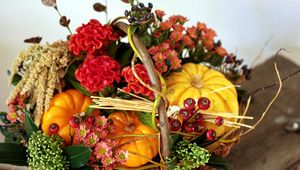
231,89
222,98
180,94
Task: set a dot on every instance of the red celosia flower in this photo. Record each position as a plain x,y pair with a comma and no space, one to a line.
221,51
133,84
165,25
176,36
98,72
159,13
91,36
192,32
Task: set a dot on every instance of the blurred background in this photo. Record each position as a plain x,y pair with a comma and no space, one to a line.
244,27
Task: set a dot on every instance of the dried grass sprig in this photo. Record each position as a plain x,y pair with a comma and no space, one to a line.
40,67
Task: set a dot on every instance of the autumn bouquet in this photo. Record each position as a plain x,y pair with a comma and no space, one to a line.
139,92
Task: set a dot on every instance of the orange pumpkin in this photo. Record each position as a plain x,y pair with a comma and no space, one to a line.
128,123
195,81
62,107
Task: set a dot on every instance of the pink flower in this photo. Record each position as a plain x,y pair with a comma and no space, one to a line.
176,36
100,121
159,57
192,32
153,50
170,53
159,13
96,73
82,132
121,156
103,149
91,140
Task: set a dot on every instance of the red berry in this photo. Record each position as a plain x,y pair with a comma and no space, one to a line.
211,135
74,122
185,114
90,119
198,118
53,128
198,128
189,126
175,124
203,103
189,103
219,121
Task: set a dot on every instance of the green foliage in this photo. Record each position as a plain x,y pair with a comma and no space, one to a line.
30,126
11,153
218,162
190,155
145,118
44,152
16,78
78,155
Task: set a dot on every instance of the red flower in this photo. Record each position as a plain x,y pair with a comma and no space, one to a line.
178,27
165,25
159,13
98,72
161,66
178,18
201,26
188,41
192,32
133,84
176,36
91,37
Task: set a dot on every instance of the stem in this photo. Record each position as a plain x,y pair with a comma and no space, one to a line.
55,7
106,13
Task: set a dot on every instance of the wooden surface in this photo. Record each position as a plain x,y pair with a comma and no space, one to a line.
270,146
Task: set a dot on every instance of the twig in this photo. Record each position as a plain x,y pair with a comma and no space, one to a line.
261,51
55,7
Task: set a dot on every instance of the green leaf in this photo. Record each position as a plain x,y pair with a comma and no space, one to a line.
172,162
3,118
216,60
16,78
125,58
218,162
70,75
78,155
30,126
201,139
78,86
174,139
112,49
11,153
145,118
133,28
89,111
146,39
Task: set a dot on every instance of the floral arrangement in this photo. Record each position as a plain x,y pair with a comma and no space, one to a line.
142,91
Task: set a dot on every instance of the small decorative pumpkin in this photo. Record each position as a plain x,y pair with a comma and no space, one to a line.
62,108
128,123
195,81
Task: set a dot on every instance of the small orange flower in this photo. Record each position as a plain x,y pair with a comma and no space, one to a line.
165,25
12,116
192,32
176,36
159,13
221,51
201,26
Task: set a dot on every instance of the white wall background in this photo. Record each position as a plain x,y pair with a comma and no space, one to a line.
243,25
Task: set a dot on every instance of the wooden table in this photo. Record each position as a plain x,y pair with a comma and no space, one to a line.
270,146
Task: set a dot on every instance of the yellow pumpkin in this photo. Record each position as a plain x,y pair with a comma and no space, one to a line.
62,107
195,81
128,123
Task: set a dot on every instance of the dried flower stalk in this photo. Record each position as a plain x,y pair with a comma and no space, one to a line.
42,65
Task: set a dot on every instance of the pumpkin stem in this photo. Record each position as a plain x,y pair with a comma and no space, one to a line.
196,81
